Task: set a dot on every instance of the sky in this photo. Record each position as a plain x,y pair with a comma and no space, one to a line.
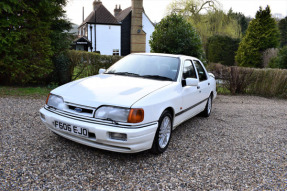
156,9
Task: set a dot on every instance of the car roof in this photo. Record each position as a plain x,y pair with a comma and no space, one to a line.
168,55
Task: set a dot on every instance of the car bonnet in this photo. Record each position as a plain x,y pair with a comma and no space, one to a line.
104,89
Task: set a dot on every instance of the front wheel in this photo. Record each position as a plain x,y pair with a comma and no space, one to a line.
207,111
163,133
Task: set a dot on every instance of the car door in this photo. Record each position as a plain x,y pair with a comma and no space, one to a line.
190,94
204,84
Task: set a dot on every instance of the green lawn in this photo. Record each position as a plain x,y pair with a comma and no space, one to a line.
24,91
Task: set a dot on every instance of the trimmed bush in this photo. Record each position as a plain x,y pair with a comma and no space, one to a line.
263,82
221,49
268,82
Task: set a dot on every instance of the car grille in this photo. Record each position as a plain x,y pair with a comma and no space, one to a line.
79,110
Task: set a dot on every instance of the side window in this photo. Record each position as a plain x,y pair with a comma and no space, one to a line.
201,72
188,70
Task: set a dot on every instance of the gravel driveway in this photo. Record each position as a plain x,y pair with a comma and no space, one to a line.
241,146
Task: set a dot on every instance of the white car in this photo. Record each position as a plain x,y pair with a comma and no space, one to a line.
132,106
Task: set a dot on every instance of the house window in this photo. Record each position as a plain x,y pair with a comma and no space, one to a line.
116,52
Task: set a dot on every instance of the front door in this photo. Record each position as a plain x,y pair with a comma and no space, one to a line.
190,94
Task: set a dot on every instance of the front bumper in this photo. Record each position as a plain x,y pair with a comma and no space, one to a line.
138,139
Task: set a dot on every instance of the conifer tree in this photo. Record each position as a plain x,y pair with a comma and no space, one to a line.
262,33
30,32
283,31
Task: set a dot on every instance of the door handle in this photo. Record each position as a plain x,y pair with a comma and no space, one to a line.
198,87
208,83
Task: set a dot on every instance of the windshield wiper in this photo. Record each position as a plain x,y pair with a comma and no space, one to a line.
157,77
123,73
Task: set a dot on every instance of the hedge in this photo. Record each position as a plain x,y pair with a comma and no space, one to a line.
253,81
85,64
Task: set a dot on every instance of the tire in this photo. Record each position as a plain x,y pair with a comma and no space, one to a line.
207,111
163,133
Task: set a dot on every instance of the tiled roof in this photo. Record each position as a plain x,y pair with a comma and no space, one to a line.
123,14
101,16
81,39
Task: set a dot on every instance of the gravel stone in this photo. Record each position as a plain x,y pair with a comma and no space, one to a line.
241,146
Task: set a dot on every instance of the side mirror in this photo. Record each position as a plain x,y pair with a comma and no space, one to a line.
210,74
101,70
191,81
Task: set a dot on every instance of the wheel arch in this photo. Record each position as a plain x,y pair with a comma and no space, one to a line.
211,94
172,112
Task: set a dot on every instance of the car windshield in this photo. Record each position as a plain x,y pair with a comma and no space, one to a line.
147,66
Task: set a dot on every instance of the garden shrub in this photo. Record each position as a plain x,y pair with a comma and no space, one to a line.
85,64
268,82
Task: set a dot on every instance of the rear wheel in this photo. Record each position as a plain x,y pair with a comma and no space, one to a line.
163,133
207,111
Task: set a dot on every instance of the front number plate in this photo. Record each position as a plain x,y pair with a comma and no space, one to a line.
71,128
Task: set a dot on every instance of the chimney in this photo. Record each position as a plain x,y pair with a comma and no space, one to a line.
96,2
83,14
117,10
138,36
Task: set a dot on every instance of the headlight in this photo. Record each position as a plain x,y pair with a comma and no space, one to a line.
54,101
113,113
120,114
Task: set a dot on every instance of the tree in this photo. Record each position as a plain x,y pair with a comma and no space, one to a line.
193,7
281,60
241,20
283,31
220,23
222,49
207,18
176,36
262,33
27,43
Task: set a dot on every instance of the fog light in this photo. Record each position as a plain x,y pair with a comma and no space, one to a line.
118,136
42,116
